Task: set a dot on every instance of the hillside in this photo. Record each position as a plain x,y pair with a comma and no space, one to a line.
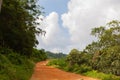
55,55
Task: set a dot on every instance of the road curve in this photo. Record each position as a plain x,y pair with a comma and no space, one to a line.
43,72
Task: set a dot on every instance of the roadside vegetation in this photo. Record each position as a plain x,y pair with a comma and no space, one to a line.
100,59
81,69
14,66
18,53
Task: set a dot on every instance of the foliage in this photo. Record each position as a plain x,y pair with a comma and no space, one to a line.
55,55
102,55
62,64
107,56
73,57
18,25
101,75
78,57
82,69
39,55
59,63
14,66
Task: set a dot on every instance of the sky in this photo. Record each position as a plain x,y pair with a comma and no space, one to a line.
68,23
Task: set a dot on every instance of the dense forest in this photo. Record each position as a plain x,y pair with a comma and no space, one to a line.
18,31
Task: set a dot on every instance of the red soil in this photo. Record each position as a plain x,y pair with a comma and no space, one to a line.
43,72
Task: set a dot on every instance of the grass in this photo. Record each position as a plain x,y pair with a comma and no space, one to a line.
102,76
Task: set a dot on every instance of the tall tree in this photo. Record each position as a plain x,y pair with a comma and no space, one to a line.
18,25
0,4
107,56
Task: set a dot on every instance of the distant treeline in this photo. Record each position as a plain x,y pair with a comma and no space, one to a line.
55,55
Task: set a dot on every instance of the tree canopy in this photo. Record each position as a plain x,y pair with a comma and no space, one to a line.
106,51
18,25
102,55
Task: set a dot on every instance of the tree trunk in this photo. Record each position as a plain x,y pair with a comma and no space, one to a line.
0,4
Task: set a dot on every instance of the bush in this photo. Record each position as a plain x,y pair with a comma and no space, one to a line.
14,66
6,68
59,63
38,55
84,68
62,64
101,75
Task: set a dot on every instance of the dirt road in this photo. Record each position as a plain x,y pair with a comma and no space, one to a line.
43,72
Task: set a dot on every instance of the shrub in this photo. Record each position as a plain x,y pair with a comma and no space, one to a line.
59,63
14,66
101,75
38,55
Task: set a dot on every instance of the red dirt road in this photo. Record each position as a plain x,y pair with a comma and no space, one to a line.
43,72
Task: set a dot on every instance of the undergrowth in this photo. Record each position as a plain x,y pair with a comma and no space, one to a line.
14,66
82,69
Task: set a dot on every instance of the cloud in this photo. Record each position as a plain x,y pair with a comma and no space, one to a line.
54,40
77,22
83,15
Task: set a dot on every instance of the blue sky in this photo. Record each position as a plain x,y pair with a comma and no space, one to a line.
59,6
68,23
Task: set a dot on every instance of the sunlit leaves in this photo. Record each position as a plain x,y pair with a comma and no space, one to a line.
107,59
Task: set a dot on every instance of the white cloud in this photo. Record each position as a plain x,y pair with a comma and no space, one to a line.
54,39
83,15
52,29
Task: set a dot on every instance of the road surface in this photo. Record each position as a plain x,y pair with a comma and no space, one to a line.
43,72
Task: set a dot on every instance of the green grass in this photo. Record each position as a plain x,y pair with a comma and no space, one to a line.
102,76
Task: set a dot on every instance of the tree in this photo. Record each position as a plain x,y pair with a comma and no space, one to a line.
18,25
108,35
73,57
0,4
92,48
107,56
55,55
39,55
78,57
